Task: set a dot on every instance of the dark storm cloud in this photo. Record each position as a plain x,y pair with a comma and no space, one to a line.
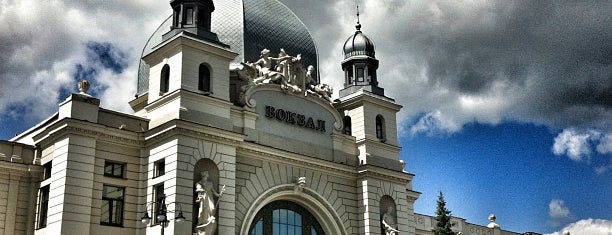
554,59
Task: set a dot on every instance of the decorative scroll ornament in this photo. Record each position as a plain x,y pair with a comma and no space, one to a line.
288,72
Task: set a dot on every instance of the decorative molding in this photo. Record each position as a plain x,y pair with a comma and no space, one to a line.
317,204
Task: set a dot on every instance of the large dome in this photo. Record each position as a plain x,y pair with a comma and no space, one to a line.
247,26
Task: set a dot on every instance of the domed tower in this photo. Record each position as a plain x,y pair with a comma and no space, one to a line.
370,117
360,64
247,26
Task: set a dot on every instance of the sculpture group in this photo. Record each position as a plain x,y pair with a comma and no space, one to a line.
287,71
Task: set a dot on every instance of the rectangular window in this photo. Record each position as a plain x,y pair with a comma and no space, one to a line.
43,206
360,75
159,199
112,206
114,169
159,168
47,170
189,16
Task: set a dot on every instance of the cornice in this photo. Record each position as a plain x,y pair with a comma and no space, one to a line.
178,127
378,144
371,171
69,126
361,97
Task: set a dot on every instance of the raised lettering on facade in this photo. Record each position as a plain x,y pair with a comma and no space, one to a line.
295,118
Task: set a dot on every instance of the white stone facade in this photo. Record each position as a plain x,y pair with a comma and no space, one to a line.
260,143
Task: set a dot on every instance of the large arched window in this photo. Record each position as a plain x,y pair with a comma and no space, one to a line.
380,128
285,217
347,125
204,78
165,79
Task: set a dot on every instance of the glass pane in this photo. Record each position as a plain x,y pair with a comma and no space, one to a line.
291,217
283,229
283,216
117,212
275,216
291,230
112,192
276,229
105,211
258,228
298,219
189,16
108,168
313,231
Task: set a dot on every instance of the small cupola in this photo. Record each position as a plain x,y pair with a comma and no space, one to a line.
359,64
192,17
358,45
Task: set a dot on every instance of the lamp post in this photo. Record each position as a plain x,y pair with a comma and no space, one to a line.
162,211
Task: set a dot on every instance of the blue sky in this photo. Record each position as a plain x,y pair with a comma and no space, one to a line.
507,105
508,169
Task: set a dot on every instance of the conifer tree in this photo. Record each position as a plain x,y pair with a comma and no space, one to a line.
443,218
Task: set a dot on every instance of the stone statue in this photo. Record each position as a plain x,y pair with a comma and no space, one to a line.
83,86
300,183
388,222
206,192
263,66
492,223
288,72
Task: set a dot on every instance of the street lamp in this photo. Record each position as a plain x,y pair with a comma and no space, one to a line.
162,211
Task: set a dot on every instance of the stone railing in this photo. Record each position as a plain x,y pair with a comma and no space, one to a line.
424,224
16,152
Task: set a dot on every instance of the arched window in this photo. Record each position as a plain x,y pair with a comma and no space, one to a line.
380,128
204,78
347,125
165,79
285,217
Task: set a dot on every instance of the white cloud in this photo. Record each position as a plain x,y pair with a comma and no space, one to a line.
44,41
573,143
605,144
580,145
588,226
435,123
557,209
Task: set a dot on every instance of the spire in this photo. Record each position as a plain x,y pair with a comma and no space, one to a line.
358,25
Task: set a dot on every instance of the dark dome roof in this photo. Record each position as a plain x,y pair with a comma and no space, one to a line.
358,44
247,26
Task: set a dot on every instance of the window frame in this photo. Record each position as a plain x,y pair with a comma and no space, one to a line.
47,169
113,173
164,81
348,125
43,207
159,168
112,202
266,217
204,82
380,128
158,202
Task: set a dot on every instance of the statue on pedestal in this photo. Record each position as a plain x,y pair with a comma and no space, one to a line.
207,224
388,222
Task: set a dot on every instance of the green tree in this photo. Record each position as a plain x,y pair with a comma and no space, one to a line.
443,218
